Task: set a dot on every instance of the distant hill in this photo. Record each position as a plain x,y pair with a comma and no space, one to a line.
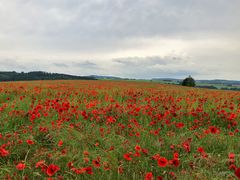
220,81
110,77
209,84
105,77
39,75
215,81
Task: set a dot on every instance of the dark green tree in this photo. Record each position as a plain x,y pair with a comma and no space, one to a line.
189,81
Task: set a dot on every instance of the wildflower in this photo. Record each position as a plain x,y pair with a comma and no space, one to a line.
231,155
70,165
201,150
137,148
120,170
60,143
127,157
96,163
162,162
175,162
159,178
180,125
149,176
40,163
176,155
30,142
85,153
186,146
52,169
214,130
20,166
237,172
232,167
3,152
89,170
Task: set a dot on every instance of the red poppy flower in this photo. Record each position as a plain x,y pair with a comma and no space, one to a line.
89,170
137,154
3,152
20,166
52,169
231,155
145,151
40,163
79,171
232,167
137,148
176,155
175,162
86,160
201,150
120,170
96,163
30,142
237,172
162,162
149,176
159,178
214,130
70,165
127,157
60,143
180,125
85,153
186,146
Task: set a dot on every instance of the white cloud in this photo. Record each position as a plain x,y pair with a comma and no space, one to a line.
53,35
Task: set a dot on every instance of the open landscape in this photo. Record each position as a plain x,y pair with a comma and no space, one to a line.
119,90
117,130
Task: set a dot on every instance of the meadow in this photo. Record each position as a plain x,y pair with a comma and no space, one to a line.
117,130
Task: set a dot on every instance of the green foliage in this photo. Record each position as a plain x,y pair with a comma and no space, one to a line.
189,81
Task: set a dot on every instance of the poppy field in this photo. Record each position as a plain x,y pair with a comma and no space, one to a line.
117,130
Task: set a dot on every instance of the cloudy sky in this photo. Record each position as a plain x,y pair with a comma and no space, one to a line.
127,38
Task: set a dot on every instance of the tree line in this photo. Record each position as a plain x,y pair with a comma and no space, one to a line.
39,75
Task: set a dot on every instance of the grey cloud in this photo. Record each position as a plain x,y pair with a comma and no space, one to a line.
75,24
155,66
61,65
172,66
121,18
19,65
85,64
11,64
77,64
148,61
208,30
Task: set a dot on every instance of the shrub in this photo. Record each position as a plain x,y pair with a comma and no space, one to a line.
189,81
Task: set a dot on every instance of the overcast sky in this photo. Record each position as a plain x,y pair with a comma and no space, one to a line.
127,38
